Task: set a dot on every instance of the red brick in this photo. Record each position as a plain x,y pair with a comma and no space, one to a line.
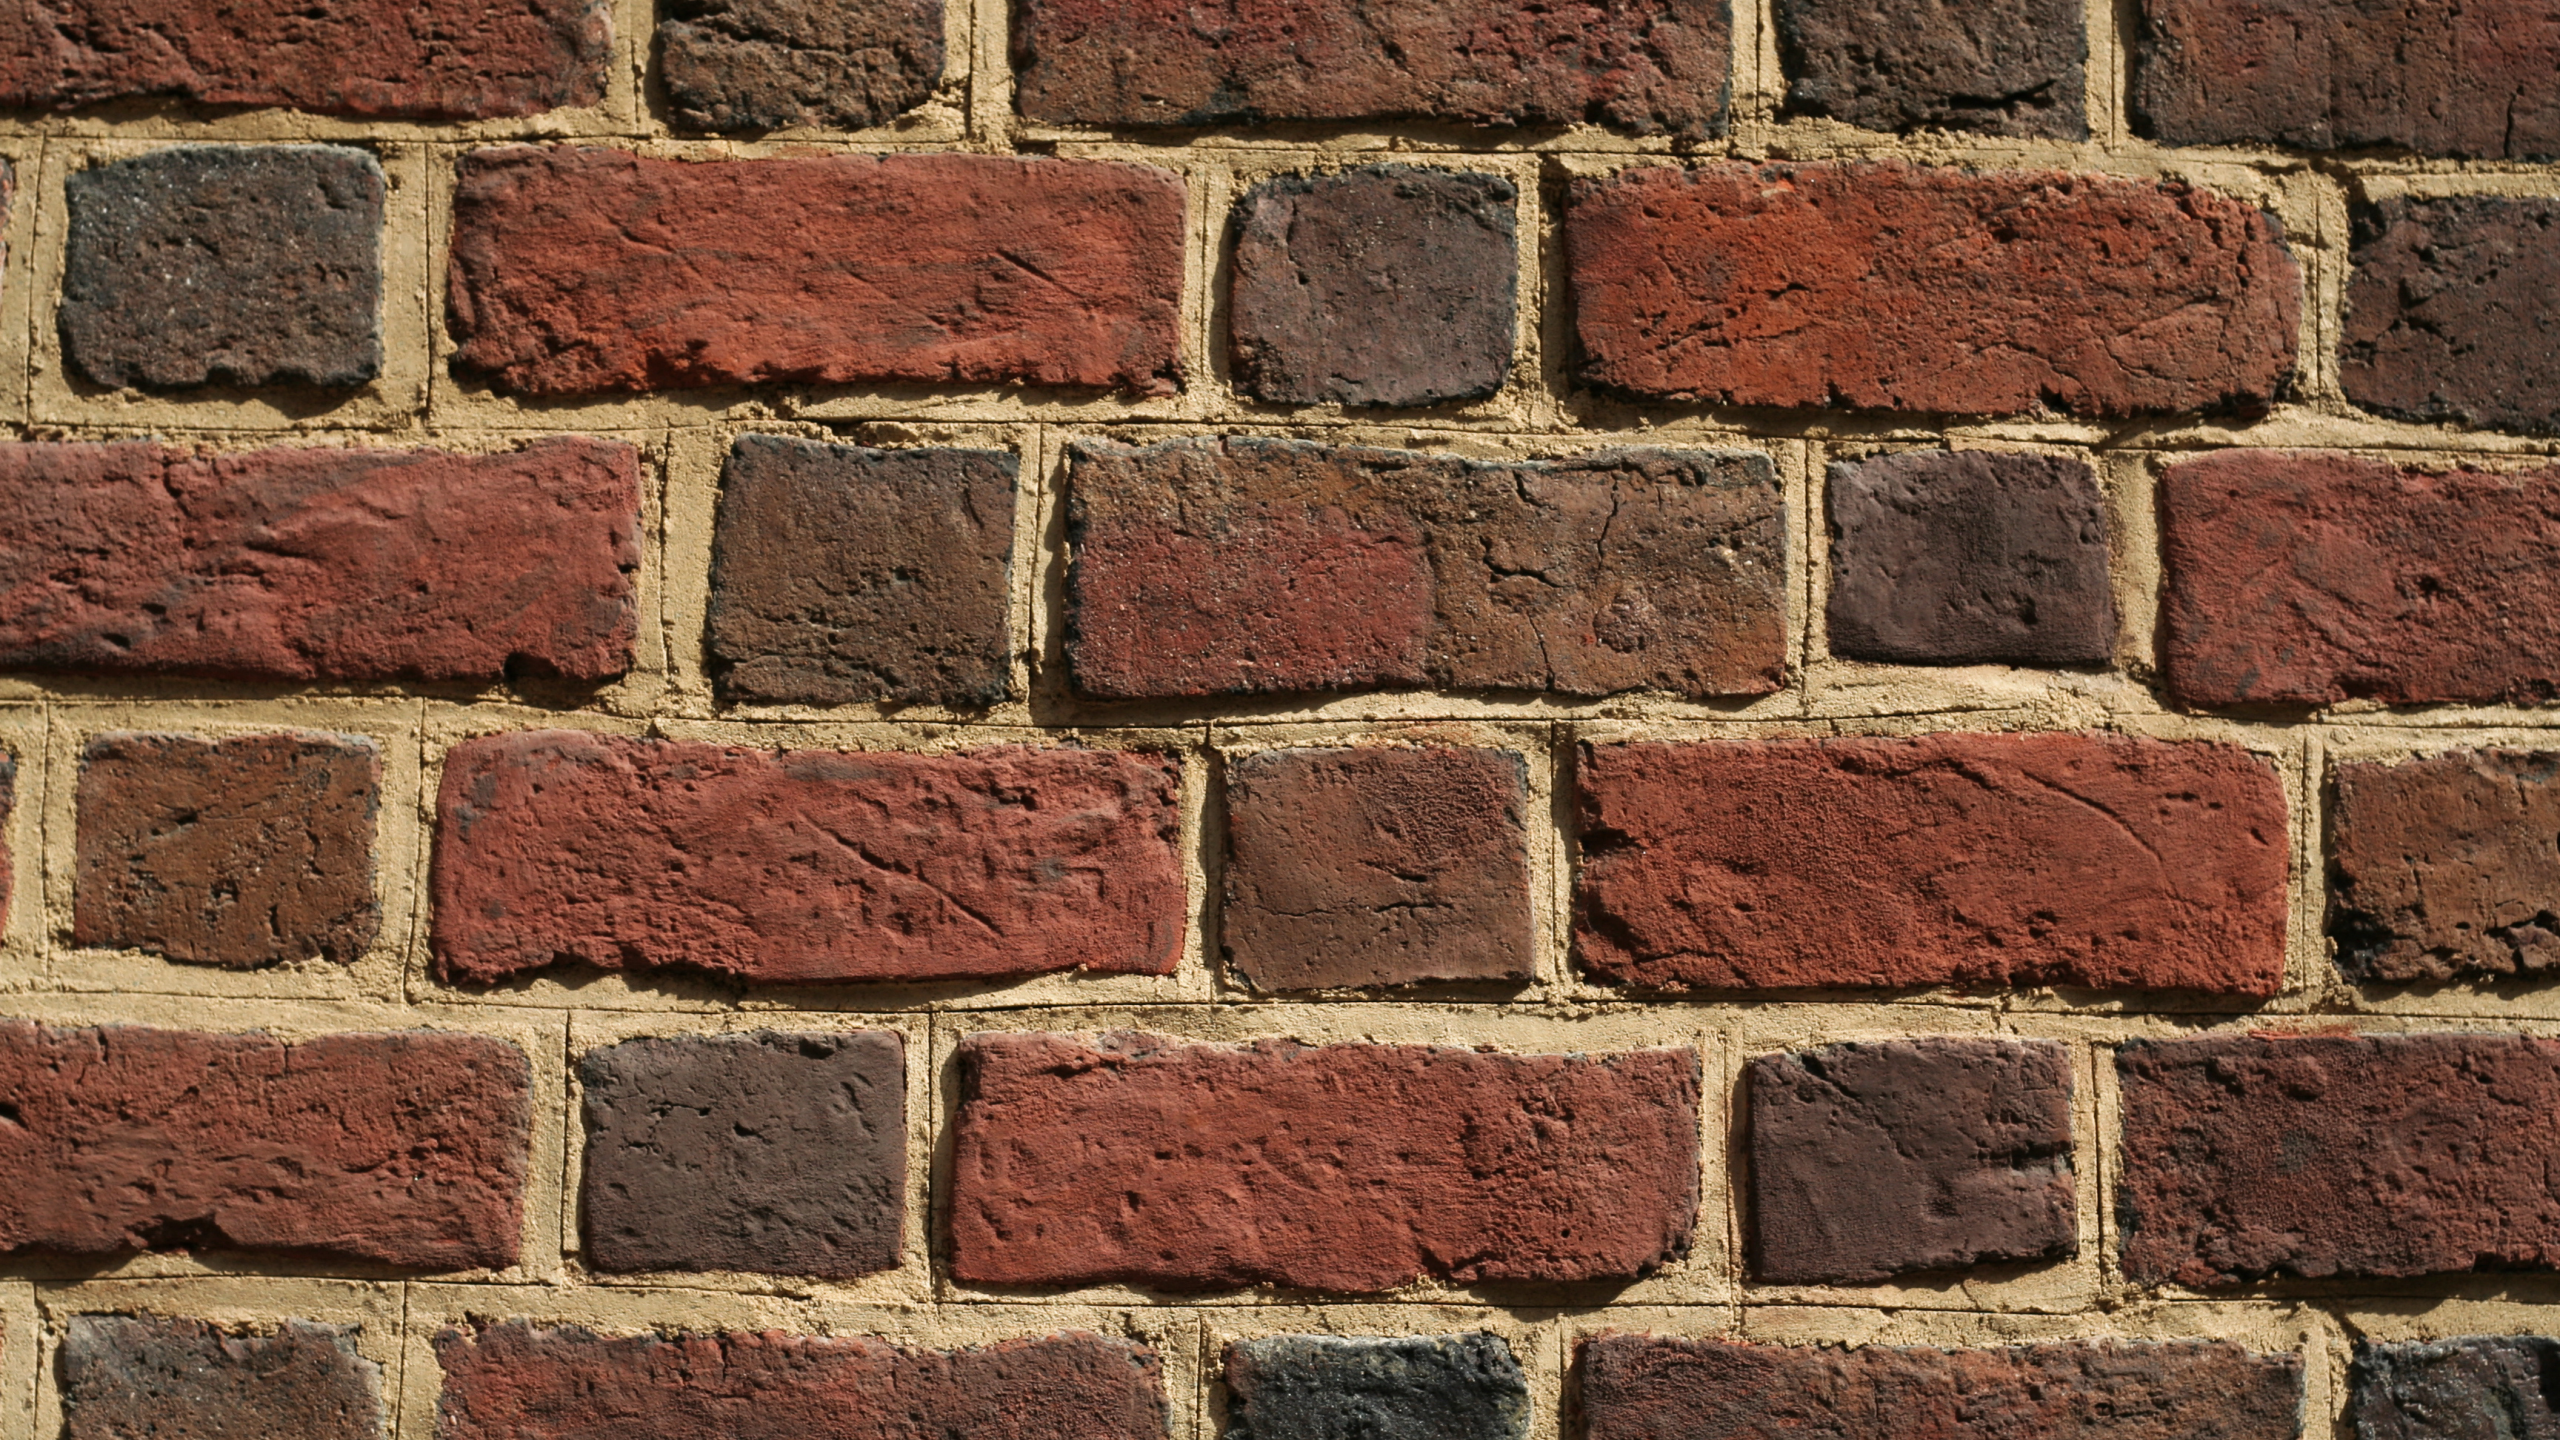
2338,1156
522,1382
805,865
125,1376
320,564
1636,1387
2095,861
1648,66
2307,578
580,271
407,1149
1892,287
405,59
2450,313
1353,1168
2443,867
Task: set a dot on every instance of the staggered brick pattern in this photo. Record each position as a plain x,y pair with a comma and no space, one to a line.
2449,310
2475,1385
128,1375
1322,1387
2446,866
768,64
2009,68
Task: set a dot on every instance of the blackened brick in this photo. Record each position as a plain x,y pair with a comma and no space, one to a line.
2478,1387
2453,311
127,1376
2006,67
1421,1387
765,64
2446,866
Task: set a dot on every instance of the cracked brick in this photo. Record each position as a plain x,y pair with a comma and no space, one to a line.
133,1375
2446,867
1333,1387
2008,67
2473,1387
2450,312
767,64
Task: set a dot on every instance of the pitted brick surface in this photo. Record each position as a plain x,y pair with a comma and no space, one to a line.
766,64
1353,1168
1421,1387
125,1376
2478,1387
2006,67
2446,867
2451,311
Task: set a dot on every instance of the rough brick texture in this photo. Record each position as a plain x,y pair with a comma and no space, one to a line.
225,264
1944,557
1638,1387
406,1149
1384,286
1892,287
1422,1387
2467,79
2446,867
1978,860
1351,1168
1377,867
1877,1159
2013,67
775,1153
241,852
765,64
1236,566
1647,66
2450,311
520,1382
320,564
846,574
579,271
2338,1157
392,59
124,1376
803,865
2478,1387
2308,578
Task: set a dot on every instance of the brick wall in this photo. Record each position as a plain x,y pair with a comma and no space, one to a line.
746,719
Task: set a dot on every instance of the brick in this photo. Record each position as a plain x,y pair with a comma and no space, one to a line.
1377,866
843,574
405,1149
2449,311
2009,68
1640,1385
2476,1387
1876,1159
1894,287
243,852
379,59
805,865
517,1381
320,564
2309,578
580,271
1384,286
2337,1156
1971,557
1243,566
2471,79
767,64
2092,861
249,265
1353,1168
1420,1387
124,1376
2445,867
773,1153
1646,66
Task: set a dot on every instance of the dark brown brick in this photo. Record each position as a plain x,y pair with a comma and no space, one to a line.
1646,66
844,574
242,852
2467,78
779,1154
1241,566
2446,867
2311,577
1384,286
766,64
2453,311
2338,1157
125,1376
1380,866
2010,67
1879,1159
1943,557
2098,861
1416,1387
1354,1168
522,1382
2477,1387
1639,1387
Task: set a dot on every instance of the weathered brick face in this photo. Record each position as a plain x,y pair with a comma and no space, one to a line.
1315,1387
766,64
2446,866
2450,312
131,1375
2008,68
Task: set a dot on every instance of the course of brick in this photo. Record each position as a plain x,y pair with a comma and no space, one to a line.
2095,861
136,1375
768,64
1352,1168
803,865
2449,310
2337,1156
404,1149
2446,866
2010,68
1421,1387
2476,1385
